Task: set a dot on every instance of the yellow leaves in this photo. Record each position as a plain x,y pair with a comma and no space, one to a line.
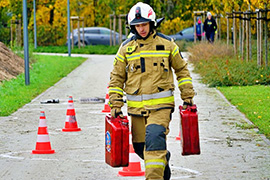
4,3
188,6
175,25
43,15
258,116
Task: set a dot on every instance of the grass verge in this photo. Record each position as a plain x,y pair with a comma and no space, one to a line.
44,73
243,83
254,102
97,49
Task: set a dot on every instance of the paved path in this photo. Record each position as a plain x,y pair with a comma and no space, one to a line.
227,151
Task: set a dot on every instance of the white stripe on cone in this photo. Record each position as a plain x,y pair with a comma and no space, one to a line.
67,118
42,123
133,157
70,106
43,138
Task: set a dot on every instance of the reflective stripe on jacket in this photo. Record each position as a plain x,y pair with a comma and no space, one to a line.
143,69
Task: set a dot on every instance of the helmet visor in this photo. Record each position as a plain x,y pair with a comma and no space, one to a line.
140,20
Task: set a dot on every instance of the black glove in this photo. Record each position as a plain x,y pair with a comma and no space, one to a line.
115,112
187,102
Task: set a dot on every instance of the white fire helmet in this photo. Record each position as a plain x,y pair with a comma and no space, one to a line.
141,13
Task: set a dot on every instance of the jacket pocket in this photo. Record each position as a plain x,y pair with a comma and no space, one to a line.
133,70
165,87
165,68
131,90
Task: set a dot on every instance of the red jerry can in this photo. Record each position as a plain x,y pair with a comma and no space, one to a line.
116,141
189,130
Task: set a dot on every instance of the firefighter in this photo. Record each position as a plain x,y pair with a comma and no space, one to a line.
143,70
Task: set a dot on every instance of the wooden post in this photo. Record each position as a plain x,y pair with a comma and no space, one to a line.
219,28
261,38
123,16
11,33
243,37
120,29
266,36
228,32
240,34
126,29
247,37
114,29
83,31
195,31
234,34
19,33
72,34
216,36
258,38
79,33
110,30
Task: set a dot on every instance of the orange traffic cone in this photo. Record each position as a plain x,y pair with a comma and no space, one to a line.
134,167
178,137
107,108
71,123
43,145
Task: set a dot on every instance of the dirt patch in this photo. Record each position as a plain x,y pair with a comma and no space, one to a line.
11,65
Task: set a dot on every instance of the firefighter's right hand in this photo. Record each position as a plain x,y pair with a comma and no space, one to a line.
115,112
187,102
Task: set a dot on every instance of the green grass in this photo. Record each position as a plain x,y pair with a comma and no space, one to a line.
97,49
243,83
44,73
254,102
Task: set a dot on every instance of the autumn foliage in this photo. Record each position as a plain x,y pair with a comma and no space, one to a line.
51,15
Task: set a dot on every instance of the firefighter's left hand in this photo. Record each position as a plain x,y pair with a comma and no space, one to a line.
187,102
115,112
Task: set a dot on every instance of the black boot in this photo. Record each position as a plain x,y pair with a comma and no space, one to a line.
167,171
139,148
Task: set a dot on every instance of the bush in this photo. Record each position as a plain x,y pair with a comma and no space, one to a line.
218,66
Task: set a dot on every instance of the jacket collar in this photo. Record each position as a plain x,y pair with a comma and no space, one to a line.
148,40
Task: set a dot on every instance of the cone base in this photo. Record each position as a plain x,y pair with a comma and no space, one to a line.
106,110
71,129
131,173
43,151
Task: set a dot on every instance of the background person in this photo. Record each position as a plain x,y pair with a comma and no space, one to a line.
210,27
199,29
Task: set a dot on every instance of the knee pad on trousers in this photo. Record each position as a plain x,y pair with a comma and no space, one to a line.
139,148
155,138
